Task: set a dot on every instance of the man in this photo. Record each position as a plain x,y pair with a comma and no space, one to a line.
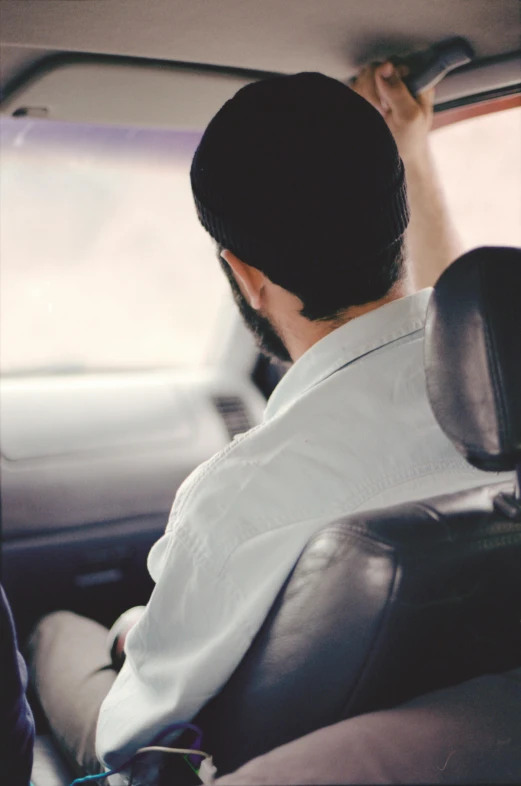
299,181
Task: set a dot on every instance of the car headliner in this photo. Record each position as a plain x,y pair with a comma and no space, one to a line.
332,36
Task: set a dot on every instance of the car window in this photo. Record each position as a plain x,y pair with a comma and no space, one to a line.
103,262
105,266
479,161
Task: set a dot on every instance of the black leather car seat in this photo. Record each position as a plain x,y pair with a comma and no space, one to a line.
387,605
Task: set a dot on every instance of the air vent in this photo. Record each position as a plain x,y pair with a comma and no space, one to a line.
233,412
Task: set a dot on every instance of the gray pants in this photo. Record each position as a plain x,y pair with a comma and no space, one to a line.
71,673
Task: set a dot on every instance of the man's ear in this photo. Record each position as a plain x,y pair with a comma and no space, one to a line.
250,280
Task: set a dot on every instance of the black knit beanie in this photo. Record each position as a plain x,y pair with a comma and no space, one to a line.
296,174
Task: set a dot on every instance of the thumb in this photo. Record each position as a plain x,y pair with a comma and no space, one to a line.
394,92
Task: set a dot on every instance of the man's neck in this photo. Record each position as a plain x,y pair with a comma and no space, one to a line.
300,334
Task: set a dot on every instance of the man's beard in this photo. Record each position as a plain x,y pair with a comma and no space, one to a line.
266,336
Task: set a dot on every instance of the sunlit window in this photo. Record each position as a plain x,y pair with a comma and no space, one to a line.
105,266
103,262
479,161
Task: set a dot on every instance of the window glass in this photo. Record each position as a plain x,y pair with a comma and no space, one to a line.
479,162
105,266
103,262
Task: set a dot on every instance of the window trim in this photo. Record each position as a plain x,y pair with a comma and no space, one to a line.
488,106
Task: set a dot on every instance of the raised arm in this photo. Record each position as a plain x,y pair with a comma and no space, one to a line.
432,239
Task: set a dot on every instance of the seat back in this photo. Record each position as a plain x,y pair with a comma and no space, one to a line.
380,607
387,605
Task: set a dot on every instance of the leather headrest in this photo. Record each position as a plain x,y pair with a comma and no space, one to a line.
473,356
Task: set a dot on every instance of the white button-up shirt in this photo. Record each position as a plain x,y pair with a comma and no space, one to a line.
349,428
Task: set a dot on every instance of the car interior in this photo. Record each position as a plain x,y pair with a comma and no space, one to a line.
124,364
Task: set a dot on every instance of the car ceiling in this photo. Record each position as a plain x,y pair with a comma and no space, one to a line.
332,36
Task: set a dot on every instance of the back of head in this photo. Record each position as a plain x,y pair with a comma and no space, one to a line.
300,177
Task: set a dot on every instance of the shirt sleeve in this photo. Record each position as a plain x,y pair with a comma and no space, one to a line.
190,638
217,569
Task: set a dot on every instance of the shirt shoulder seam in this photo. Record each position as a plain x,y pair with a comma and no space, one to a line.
214,462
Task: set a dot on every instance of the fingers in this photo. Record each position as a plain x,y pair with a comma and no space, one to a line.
394,93
365,86
426,100
383,86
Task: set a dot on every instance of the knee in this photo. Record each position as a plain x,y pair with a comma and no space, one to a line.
50,625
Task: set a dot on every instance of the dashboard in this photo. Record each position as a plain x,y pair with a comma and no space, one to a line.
90,465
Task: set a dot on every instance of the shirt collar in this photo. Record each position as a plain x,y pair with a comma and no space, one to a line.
347,343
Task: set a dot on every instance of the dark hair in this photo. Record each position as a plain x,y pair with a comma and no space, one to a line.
326,297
